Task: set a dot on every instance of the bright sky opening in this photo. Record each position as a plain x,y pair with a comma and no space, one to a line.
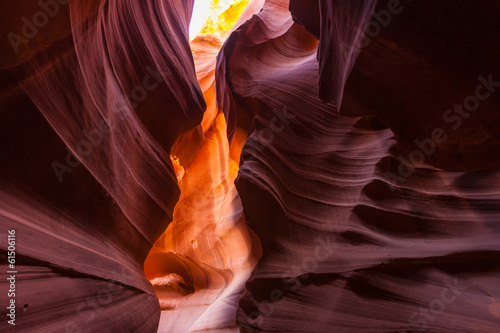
211,16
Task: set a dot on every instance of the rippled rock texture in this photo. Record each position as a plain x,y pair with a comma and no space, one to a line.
324,166
105,88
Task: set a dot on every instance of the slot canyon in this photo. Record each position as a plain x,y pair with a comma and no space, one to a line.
179,166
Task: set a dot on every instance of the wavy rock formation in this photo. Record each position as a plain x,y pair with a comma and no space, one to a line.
327,166
354,239
207,248
87,182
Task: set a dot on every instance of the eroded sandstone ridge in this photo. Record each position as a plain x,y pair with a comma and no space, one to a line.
323,166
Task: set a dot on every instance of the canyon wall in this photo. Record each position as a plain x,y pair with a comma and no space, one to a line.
330,166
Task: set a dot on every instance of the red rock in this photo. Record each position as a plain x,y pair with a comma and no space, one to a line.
284,183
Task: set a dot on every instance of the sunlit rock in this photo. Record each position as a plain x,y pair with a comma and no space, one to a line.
280,166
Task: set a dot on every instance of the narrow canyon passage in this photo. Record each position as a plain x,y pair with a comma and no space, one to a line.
275,166
199,265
